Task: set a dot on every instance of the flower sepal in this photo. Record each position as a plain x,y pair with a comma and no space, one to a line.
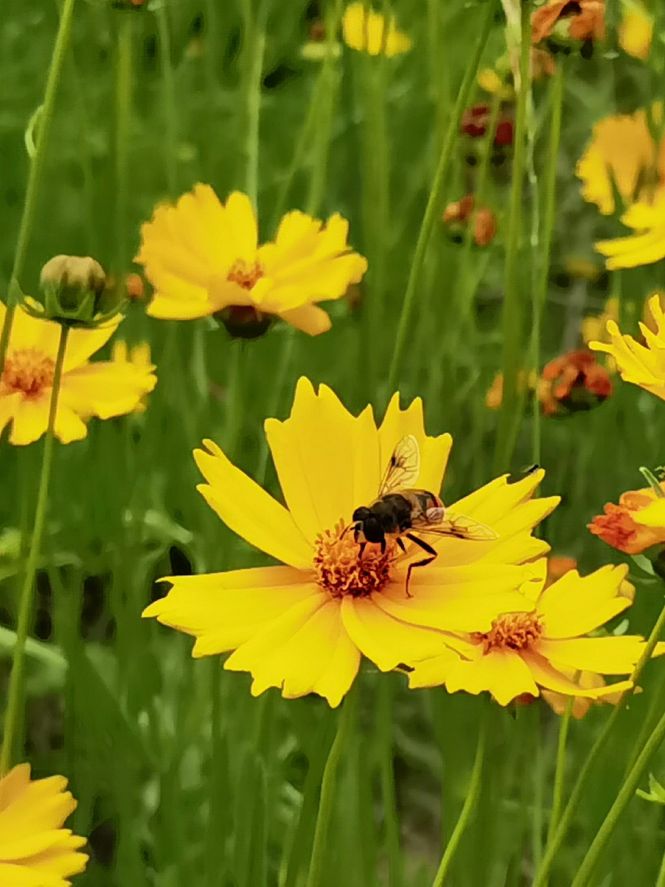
74,294
656,793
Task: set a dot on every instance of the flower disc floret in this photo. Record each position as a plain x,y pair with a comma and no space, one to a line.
28,371
341,569
512,631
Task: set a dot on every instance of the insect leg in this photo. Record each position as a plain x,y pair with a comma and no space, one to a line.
401,544
432,552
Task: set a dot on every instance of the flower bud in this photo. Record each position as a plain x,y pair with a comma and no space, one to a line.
74,293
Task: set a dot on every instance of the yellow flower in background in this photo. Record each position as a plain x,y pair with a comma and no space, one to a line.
643,248
622,154
137,355
636,30
103,389
304,626
643,365
526,651
371,32
202,257
35,850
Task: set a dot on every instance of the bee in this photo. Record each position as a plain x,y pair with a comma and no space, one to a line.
403,512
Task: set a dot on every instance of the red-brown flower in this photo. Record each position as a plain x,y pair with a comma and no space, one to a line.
463,212
618,528
476,120
582,20
574,381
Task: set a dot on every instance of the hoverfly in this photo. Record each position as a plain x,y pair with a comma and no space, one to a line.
401,511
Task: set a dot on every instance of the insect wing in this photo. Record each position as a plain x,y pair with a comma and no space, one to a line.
462,527
403,468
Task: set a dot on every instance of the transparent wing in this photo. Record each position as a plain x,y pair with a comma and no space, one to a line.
403,468
461,527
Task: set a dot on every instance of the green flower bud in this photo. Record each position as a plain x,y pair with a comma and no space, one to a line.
75,293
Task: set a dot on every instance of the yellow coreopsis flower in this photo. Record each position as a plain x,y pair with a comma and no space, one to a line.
304,626
643,365
643,248
35,850
102,389
622,154
368,31
526,651
636,30
202,258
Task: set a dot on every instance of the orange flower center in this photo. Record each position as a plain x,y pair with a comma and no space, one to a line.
29,371
512,631
245,274
341,570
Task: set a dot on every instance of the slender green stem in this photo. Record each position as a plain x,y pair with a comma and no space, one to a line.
434,202
512,319
123,105
323,832
389,795
168,98
36,171
13,710
577,792
623,798
468,808
549,211
660,881
255,38
560,771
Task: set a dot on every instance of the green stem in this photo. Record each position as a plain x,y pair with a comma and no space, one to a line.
255,47
323,833
549,211
577,792
660,882
13,710
472,794
560,771
168,96
512,300
434,202
623,798
123,104
36,171
388,793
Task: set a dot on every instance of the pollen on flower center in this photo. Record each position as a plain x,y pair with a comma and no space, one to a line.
29,371
512,631
341,570
245,274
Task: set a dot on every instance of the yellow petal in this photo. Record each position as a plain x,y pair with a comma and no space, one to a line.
548,676
501,672
434,451
31,421
321,454
309,318
575,605
304,651
434,671
248,510
605,655
651,516
383,639
106,388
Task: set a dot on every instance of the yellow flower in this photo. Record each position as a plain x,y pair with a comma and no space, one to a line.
202,257
622,154
35,851
644,248
369,31
303,626
636,30
138,355
102,389
643,365
524,651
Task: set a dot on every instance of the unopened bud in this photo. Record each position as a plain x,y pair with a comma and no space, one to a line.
74,293
244,321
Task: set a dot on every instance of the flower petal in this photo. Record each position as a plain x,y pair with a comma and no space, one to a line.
309,318
107,388
248,510
383,639
502,672
605,655
575,605
548,676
